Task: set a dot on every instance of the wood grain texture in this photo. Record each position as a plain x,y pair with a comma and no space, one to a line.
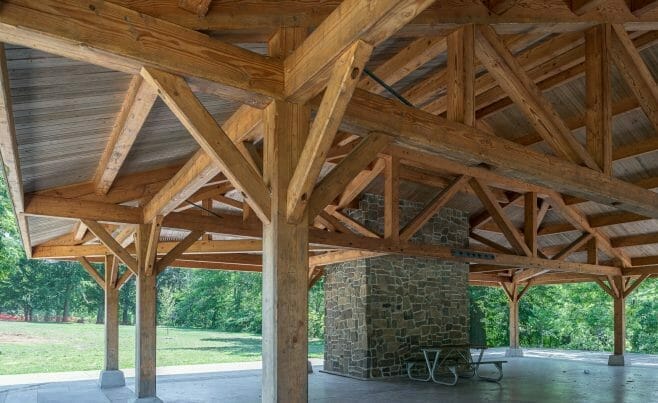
175,92
9,154
635,72
598,117
139,100
111,323
285,246
348,171
421,130
308,67
501,64
342,82
125,40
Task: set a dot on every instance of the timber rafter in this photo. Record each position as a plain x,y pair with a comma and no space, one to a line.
360,135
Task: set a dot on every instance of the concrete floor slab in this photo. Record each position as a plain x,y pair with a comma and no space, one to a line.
528,379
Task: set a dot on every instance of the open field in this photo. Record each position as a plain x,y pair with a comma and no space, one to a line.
56,347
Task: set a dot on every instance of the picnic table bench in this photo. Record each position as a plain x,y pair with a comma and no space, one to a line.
454,361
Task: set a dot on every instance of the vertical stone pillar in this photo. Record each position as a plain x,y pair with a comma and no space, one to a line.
514,349
285,248
618,357
111,376
382,311
145,323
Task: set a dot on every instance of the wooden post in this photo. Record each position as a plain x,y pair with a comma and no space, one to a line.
598,118
514,296
514,325
111,377
531,221
285,248
618,358
392,200
145,324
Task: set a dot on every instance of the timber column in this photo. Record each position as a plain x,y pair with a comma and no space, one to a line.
285,248
111,376
618,358
145,323
514,294
514,349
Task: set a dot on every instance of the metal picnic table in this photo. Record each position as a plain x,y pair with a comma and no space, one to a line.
455,361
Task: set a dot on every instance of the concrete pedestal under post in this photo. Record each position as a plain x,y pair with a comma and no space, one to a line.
111,376
145,324
618,357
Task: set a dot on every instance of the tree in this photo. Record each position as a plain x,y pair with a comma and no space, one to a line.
10,245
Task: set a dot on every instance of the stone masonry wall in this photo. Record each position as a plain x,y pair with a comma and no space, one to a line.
381,311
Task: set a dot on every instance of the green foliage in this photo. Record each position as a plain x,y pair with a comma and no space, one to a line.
223,300
570,316
642,318
11,250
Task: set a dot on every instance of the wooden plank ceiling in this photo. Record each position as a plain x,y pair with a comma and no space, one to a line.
553,155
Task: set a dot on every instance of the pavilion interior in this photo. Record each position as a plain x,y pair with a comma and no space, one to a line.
236,135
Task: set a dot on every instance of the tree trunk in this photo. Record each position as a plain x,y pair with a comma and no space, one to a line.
100,314
67,297
124,315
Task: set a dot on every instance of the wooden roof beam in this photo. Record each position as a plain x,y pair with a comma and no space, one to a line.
392,199
136,106
308,67
446,253
598,116
89,268
112,244
341,85
490,243
141,185
579,221
340,240
437,82
79,231
642,7
421,130
509,74
527,274
198,7
9,154
406,61
177,251
535,60
512,235
200,168
440,200
574,246
580,7
82,209
164,248
635,72
624,241
343,176
135,41
176,93
263,17
531,221
562,68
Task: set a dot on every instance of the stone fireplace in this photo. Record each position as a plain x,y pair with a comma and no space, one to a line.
381,311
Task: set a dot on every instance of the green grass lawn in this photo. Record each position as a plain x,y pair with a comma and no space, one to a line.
56,347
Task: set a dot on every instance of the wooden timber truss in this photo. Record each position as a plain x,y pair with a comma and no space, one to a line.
313,132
